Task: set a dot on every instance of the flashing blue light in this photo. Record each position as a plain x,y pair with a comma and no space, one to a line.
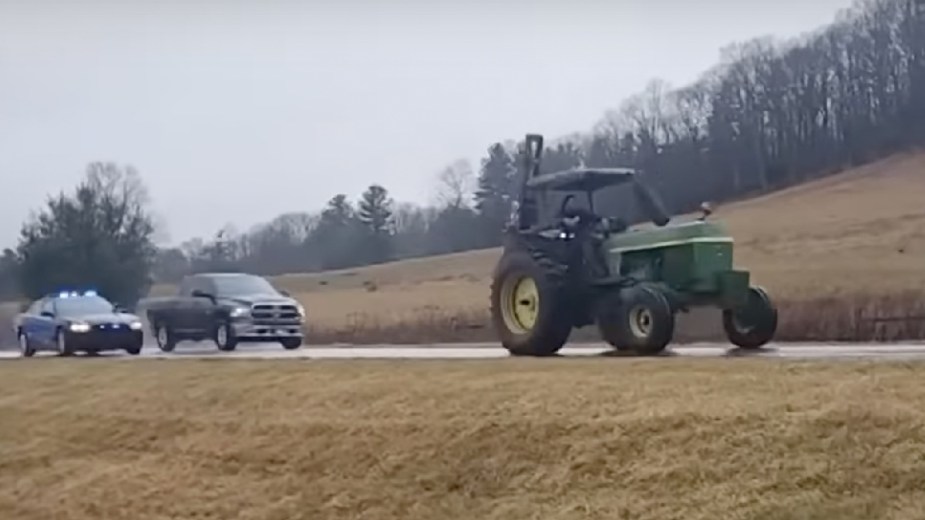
75,294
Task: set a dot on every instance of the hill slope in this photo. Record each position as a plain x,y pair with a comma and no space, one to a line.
861,232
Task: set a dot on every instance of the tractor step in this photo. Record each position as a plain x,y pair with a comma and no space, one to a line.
610,280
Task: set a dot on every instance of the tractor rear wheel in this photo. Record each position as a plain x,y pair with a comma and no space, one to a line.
530,304
640,319
753,325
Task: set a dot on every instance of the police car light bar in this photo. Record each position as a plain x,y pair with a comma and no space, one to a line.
75,294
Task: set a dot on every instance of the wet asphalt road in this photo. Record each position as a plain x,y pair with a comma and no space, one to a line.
206,350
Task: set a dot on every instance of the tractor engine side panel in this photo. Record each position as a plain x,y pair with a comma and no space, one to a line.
694,267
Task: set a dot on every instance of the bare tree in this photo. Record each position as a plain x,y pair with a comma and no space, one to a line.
456,184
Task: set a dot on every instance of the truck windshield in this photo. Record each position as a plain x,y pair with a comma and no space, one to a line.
82,305
234,285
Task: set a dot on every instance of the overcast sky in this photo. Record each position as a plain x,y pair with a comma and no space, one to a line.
235,111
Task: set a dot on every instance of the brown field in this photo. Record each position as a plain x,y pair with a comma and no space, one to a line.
844,243
84,439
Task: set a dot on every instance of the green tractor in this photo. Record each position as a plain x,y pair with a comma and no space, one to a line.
564,267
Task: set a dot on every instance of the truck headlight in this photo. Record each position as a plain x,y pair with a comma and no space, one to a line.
237,312
301,311
135,325
79,327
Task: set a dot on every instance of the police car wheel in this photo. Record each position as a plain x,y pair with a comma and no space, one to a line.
61,341
25,346
224,337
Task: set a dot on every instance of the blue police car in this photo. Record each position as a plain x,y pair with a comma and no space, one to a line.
69,322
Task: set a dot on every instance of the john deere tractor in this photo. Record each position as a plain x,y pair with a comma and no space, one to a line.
565,267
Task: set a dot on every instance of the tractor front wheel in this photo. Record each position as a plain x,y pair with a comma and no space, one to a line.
754,324
640,320
529,304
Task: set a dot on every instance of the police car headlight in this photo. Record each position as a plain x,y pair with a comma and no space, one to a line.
237,312
135,325
79,327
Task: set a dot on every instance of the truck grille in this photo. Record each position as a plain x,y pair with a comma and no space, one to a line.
275,313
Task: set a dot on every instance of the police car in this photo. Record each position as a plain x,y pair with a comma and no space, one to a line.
70,321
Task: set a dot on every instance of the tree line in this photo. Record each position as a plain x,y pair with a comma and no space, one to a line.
770,114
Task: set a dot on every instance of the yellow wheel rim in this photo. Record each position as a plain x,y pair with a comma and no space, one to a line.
520,304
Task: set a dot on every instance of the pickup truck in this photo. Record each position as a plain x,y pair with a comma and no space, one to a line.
227,308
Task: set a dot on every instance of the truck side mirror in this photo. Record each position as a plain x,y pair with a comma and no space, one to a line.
47,314
202,294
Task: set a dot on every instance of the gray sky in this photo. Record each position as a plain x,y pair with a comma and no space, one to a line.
236,111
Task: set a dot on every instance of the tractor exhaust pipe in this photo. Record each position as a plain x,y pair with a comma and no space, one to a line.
651,204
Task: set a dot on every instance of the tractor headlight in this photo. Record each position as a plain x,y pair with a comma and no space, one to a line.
135,325
79,327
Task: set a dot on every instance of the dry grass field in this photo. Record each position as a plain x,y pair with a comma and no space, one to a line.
856,238
84,439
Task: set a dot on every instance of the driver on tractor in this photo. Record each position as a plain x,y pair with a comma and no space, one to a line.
590,230
573,216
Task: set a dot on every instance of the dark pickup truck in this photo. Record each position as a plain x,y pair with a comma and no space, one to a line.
228,308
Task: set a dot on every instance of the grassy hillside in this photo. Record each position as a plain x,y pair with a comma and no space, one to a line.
856,236
599,438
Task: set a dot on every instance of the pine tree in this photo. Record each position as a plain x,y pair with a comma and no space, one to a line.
496,192
375,214
337,237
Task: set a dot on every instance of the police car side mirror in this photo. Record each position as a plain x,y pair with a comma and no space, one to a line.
47,314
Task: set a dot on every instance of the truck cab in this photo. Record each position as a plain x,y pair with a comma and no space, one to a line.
228,308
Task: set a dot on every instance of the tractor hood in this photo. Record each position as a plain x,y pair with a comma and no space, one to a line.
685,233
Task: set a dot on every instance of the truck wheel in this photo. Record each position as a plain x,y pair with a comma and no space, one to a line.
61,341
134,350
224,337
291,343
529,304
166,341
25,346
644,320
754,325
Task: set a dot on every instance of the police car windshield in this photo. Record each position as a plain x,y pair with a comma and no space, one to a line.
82,305
241,285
